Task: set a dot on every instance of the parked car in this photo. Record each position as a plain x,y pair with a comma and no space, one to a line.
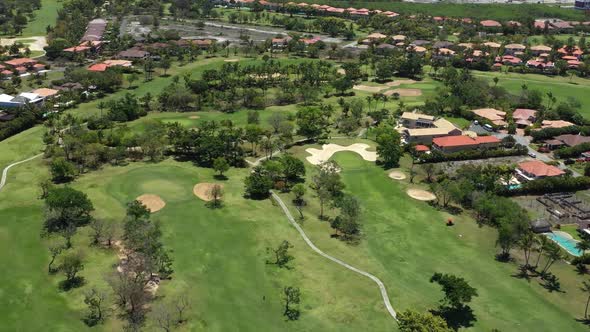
488,127
532,155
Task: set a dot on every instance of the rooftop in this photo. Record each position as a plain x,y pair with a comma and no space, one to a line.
539,168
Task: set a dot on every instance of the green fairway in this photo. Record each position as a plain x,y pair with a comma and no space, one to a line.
43,17
407,241
561,87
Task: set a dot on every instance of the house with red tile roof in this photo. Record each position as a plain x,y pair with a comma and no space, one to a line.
495,116
451,144
490,24
524,117
555,124
20,62
536,169
98,67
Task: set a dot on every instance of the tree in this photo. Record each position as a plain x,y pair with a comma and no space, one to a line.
413,321
527,243
388,145
97,302
457,291
299,191
327,184
71,265
292,299
164,317
98,227
215,193
253,117
253,134
258,183
586,289
62,170
55,248
553,253
342,84
132,78
429,169
165,64
293,168
181,304
220,165
346,223
313,122
65,209
281,255
275,120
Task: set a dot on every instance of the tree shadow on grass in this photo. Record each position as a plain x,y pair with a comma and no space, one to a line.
220,177
585,321
456,318
67,285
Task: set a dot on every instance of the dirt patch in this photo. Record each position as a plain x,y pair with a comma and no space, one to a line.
404,92
194,117
341,71
153,202
400,82
203,190
367,88
397,175
319,156
421,195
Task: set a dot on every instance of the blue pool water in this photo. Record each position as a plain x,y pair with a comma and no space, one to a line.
514,186
568,244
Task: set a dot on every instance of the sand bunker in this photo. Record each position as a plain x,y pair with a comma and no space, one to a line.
203,190
421,195
404,92
194,117
319,156
231,60
400,82
153,202
397,175
367,88
341,71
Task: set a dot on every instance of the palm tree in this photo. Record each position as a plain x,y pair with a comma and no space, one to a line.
541,242
526,244
586,289
583,245
553,252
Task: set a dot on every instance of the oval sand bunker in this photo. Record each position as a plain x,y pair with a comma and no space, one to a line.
153,202
421,195
203,190
397,175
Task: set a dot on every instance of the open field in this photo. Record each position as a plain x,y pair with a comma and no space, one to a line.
44,17
561,87
409,240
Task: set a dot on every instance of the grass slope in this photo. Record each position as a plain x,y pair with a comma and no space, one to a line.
45,16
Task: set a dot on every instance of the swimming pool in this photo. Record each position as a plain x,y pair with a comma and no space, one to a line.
514,186
566,243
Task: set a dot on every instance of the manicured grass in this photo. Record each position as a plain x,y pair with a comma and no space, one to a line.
459,122
571,230
561,87
407,241
45,16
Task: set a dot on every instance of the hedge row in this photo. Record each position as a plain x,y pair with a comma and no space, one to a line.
572,152
549,185
436,156
547,133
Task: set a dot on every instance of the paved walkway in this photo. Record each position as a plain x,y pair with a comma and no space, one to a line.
336,260
5,171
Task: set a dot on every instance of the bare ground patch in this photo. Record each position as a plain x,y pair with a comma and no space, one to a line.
194,117
203,190
153,202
